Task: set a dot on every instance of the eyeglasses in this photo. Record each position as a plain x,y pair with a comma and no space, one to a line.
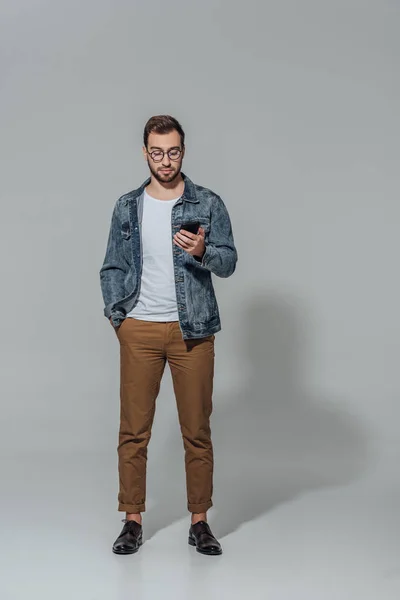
158,155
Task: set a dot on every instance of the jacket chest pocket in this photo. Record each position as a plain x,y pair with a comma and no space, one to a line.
205,224
126,242
126,230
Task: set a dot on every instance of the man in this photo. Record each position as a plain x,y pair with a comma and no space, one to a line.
159,297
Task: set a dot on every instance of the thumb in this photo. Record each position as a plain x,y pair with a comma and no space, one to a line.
201,231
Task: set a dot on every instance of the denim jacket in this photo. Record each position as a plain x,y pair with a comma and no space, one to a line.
120,274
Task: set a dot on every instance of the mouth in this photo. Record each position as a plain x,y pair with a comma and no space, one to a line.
166,171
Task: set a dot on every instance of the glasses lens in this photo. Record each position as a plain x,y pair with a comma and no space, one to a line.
174,154
157,156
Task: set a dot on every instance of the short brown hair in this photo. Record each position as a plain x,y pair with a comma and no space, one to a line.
162,124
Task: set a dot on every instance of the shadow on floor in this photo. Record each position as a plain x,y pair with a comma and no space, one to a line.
273,440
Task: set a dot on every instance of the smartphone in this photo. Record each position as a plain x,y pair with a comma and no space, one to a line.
191,226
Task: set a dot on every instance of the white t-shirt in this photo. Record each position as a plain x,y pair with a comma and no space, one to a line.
157,297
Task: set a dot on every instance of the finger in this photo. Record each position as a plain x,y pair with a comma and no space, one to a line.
180,246
201,232
177,238
188,234
183,237
184,240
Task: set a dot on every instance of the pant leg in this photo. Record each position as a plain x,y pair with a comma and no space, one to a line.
192,369
142,362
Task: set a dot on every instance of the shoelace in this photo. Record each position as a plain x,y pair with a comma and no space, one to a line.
129,523
203,528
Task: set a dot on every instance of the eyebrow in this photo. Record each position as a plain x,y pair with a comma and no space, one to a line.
158,148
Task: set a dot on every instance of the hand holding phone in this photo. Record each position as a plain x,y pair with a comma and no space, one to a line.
193,246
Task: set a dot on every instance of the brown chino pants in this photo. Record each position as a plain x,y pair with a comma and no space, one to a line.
145,347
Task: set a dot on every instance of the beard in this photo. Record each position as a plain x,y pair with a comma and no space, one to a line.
161,178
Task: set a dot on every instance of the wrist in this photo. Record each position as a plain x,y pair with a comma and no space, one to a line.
199,256
202,252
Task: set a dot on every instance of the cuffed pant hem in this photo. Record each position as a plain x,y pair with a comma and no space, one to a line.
200,508
132,508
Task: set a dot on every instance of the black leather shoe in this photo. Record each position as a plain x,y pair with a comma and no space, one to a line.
200,536
130,539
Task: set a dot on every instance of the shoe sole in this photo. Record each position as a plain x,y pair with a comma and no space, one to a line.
210,553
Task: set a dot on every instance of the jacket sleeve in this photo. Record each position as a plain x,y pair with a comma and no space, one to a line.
220,256
115,266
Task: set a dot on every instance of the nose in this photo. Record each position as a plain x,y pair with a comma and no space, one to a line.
166,161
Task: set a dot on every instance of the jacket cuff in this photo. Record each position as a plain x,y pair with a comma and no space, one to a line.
107,310
207,256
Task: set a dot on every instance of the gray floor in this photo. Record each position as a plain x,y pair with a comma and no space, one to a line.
328,541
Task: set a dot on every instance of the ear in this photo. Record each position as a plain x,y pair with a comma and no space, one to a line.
144,152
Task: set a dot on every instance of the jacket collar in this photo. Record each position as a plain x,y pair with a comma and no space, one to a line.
189,192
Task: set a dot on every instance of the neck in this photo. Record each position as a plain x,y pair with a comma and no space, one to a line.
166,191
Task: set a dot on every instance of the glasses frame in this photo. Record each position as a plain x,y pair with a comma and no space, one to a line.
164,153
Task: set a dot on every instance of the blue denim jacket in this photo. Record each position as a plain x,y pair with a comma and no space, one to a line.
120,274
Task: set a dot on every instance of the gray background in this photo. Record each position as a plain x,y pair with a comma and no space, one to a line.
291,115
